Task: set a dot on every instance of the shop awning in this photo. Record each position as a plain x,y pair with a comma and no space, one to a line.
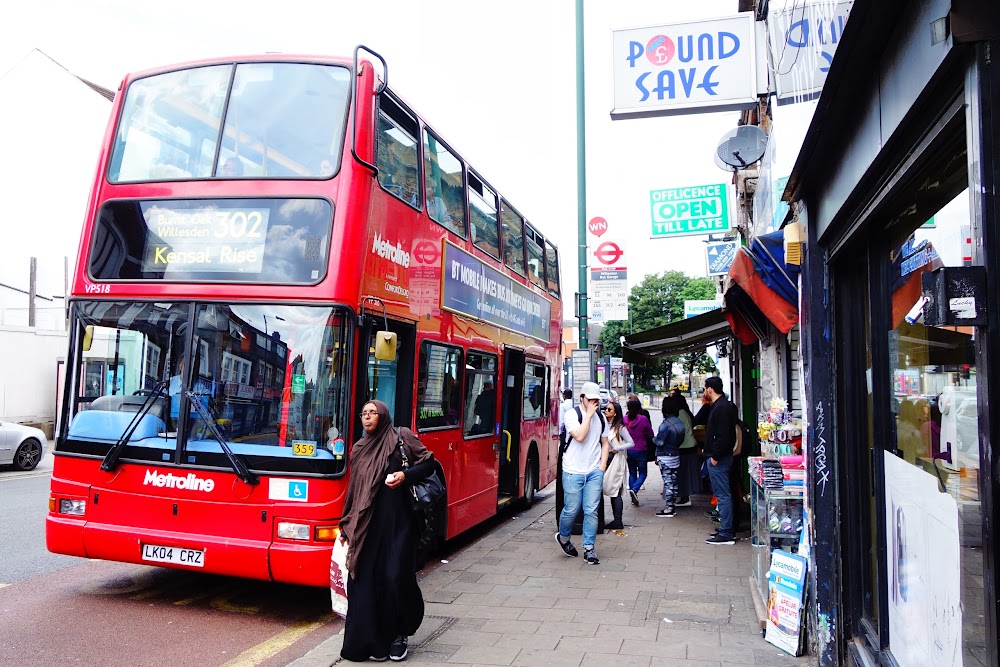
745,318
678,337
771,284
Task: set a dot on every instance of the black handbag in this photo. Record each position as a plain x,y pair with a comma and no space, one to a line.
427,491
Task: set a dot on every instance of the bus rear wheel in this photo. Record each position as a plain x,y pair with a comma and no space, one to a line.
530,483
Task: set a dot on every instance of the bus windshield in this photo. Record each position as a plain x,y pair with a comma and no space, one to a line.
244,120
273,379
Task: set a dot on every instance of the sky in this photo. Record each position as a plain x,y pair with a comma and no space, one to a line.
499,85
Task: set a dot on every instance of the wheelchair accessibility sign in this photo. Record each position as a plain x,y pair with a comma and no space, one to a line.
288,489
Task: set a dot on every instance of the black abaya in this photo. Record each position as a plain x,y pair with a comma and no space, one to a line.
383,598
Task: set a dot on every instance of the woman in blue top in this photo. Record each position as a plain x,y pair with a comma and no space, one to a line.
668,442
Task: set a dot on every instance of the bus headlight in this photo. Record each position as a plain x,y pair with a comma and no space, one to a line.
293,531
73,507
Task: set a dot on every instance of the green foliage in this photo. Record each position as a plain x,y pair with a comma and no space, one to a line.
658,300
611,337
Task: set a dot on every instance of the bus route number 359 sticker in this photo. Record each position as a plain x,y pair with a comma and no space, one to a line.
304,447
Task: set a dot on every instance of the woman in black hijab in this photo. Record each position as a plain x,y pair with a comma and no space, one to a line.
384,604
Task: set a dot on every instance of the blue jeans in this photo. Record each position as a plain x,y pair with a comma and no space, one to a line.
719,476
636,469
586,491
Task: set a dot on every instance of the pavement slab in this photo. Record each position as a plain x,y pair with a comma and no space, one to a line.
660,596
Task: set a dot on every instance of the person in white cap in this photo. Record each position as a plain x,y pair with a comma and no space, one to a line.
584,461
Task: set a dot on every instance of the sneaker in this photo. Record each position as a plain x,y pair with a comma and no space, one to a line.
683,502
382,659
567,547
591,557
635,498
712,513
716,519
721,539
397,651
614,525
666,513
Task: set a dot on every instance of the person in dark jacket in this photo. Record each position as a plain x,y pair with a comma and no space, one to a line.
720,439
668,452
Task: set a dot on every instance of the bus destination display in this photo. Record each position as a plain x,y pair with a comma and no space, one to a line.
208,239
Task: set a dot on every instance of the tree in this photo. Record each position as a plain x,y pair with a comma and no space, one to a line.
657,300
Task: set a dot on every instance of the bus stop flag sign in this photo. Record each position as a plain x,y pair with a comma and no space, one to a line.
700,209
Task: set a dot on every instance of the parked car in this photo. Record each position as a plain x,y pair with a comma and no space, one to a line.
605,397
21,446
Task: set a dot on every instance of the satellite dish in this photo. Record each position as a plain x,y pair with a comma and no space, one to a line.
741,147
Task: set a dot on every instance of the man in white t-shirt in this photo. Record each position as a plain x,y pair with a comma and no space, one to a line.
583,465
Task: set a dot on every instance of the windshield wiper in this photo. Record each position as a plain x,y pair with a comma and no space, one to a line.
110,461
238,465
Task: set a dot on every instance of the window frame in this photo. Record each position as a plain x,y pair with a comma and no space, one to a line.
524,392
505,206
495,373
464,222
550,279
421,356
412,131
469,189
531,235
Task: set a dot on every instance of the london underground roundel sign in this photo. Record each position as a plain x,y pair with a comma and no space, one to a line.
608,253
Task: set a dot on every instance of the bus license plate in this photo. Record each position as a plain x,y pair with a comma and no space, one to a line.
158,554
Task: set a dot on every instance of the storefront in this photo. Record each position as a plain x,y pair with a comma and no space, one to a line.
898,188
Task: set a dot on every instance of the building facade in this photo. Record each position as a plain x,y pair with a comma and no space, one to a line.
897,187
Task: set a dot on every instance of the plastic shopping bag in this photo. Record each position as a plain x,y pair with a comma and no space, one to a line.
338,578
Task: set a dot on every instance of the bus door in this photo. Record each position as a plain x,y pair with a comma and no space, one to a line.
510,421
388,381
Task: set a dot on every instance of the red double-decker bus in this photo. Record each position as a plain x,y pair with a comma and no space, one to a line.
256,226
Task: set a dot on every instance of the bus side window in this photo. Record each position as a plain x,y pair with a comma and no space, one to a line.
483,215
536,260
534,391
396,156
552,269
439,386
443,182
513,238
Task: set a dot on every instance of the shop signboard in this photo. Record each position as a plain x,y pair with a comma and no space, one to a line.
694,307
720,256
803,42
692,67
786,584
700,209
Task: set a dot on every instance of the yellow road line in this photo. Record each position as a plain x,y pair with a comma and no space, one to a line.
271,647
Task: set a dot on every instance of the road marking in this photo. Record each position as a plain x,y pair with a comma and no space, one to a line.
222,603
3,585
271,647
27,475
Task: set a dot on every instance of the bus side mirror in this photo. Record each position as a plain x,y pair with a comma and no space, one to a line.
88,337
385,346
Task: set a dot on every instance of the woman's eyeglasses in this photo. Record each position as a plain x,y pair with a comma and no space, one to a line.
609,409
369,413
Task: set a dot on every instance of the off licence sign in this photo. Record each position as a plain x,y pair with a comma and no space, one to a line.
700,209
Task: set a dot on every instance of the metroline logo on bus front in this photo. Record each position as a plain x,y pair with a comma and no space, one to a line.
189,482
